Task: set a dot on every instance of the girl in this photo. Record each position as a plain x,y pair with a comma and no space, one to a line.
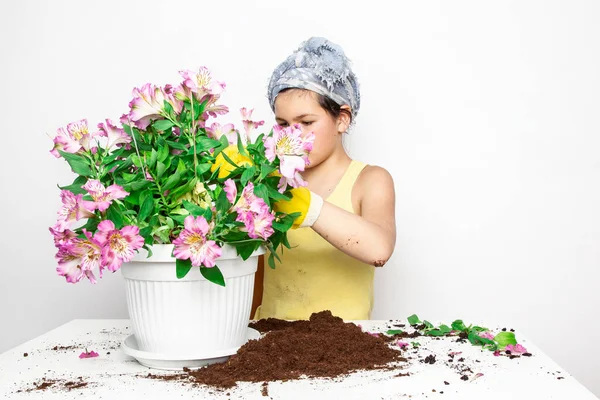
347,227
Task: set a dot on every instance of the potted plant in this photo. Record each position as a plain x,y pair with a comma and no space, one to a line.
183,205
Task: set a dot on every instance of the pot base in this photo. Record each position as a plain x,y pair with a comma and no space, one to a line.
177,363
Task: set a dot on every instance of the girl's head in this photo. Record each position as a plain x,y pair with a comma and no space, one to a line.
315,88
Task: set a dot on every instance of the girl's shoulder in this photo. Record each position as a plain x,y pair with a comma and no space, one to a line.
373,182
374,177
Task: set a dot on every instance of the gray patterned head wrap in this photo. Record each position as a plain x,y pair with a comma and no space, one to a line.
322,67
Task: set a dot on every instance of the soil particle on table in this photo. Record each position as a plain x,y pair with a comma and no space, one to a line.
55,384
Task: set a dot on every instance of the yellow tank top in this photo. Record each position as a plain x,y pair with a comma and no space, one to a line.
315,276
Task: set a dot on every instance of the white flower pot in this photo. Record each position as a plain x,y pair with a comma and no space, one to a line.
186,316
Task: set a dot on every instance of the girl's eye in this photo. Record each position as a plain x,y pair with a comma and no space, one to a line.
283,125
307,123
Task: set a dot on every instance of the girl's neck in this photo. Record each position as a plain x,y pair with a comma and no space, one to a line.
322,178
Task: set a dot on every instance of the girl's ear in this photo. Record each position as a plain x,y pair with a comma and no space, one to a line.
343,122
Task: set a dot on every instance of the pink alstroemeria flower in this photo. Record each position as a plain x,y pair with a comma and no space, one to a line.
486,335
260,225
193,244
230,190
79,131
295,182
401,344
215,131
73,209
88,354
103,197
78,258
118,246
253,212
201,83
291,146
61,236
249,125
516,349
63,141
248,201
199,86
116,137
212,110
146,106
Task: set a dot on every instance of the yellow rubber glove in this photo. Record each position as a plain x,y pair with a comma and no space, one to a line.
234,154
307,203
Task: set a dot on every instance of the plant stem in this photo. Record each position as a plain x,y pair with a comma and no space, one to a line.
160,191
194,135
136,146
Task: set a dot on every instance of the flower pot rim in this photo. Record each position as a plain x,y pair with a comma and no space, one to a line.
163,253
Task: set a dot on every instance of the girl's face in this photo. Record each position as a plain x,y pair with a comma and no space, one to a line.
298,106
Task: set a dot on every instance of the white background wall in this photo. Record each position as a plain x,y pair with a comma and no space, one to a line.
485,113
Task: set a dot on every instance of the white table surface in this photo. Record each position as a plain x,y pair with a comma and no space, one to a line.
117,376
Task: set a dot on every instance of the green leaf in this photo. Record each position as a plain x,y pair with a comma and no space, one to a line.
478,329
414,320
204,144
272,251
284,224
224,141
77,163
394,332
168,107
505,338
275,195
245,249
182,267
271,261
213,275
122,165
179,218
285,240
113,156
160,169
415,344
458,325
133,198
128,177
434,332
146,208
194,209
202,168
137,138
445,329
478,340
229,160
163,152
181,190
428,325
176,145
222,203
261,191
114,214
146,233
137,185
76,186
265,170
153,158
162,124
174,179
240,146
91,225
248,174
